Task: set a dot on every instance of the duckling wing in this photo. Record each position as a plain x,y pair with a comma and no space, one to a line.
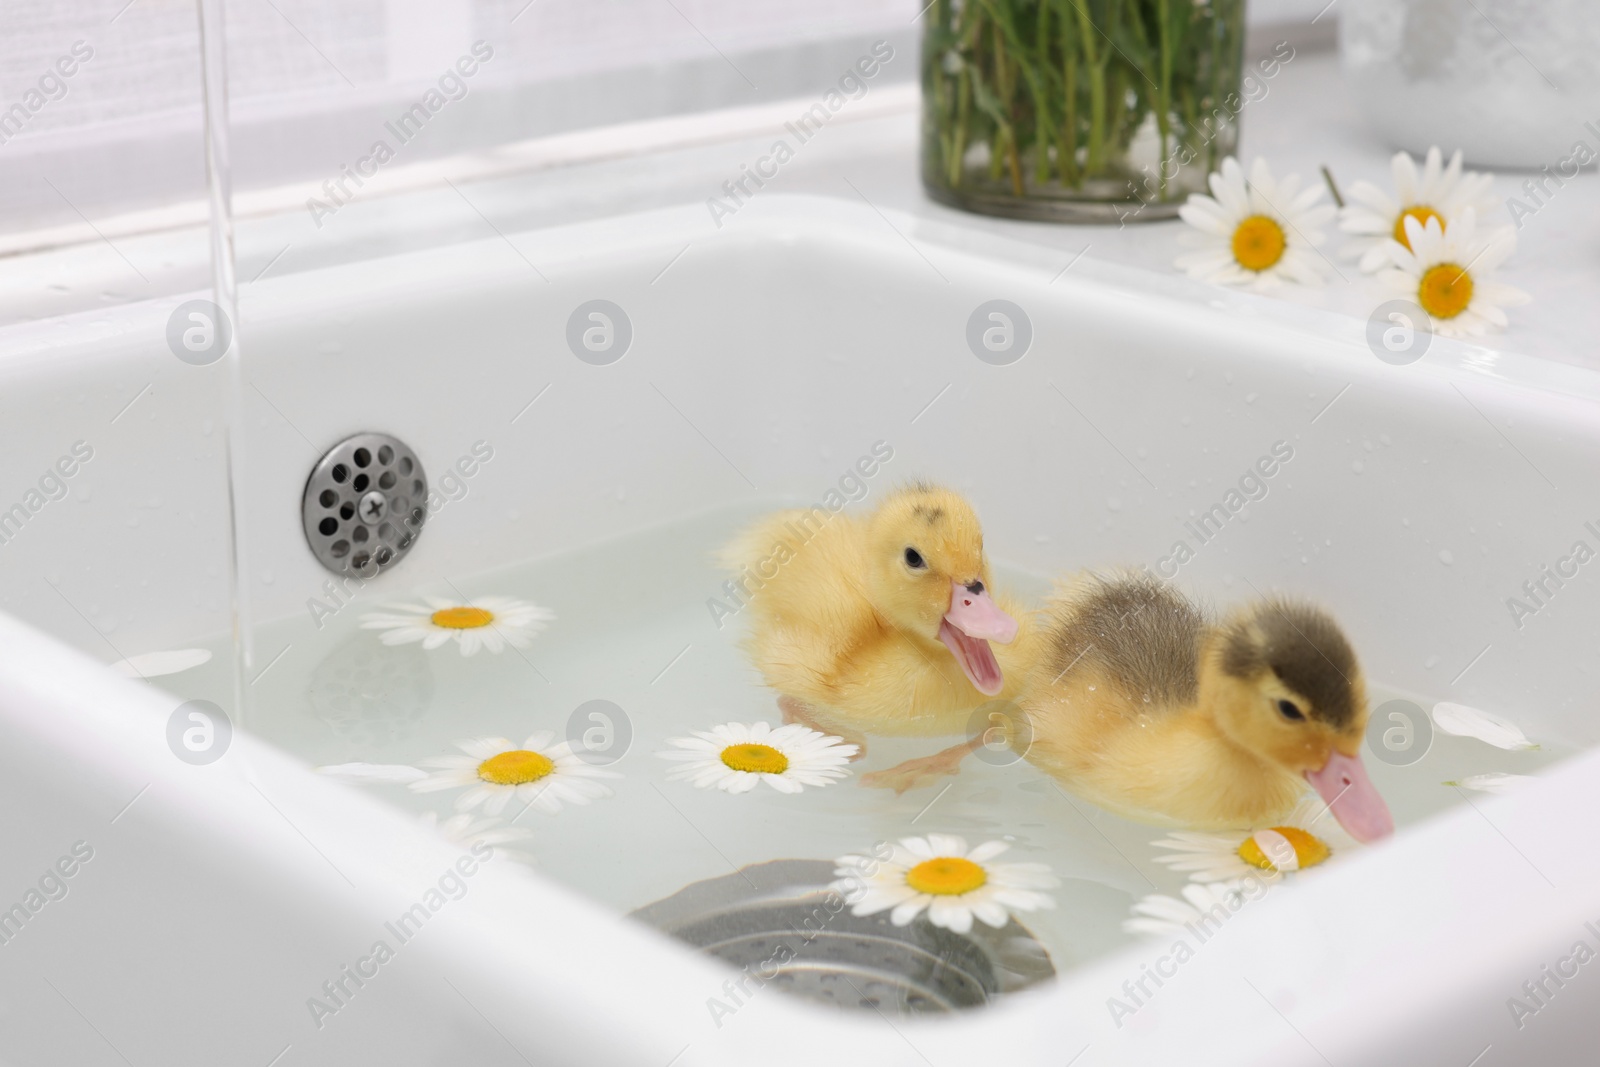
1130,632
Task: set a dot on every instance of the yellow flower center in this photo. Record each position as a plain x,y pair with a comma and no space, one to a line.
517,767
1258,243
946,876
462,618
757,759
1308,849
1445,292
1421,214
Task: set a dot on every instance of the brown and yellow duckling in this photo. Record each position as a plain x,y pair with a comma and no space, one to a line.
1145,706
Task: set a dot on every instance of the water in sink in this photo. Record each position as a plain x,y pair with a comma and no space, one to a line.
632,627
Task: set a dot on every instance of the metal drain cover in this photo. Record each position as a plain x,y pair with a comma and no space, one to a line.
364,505
773,921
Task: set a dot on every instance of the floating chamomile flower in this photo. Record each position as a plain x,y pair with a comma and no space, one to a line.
493,771
491,622
939,874
1462,721
1440,192
1449,273
1305,839
736,757
468,830
1161,915
1258,232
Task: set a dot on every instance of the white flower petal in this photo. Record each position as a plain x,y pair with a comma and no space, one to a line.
1024,900
1462,721
1025,876
1375,257
951,914
472,798
1405,178
157,664
946,845
987,851
905,912
1495,782
1206,215
373,772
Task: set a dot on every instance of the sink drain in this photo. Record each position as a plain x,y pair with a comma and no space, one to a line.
774,921
364,504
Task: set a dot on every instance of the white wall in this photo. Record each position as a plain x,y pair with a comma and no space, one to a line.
312,82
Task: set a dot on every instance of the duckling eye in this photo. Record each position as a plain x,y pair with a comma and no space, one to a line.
914,559
1289,710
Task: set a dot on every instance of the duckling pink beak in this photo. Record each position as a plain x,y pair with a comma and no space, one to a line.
974,619
1344,786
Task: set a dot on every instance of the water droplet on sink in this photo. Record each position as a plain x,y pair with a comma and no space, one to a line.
1446,557
1358,466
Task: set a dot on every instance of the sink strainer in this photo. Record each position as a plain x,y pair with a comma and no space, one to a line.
364,505
771,919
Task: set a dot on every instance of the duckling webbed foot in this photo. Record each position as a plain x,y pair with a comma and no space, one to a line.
920,771
798,711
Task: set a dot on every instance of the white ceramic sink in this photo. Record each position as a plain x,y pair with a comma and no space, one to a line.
765,357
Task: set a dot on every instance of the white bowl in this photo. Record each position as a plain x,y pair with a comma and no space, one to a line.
1512,83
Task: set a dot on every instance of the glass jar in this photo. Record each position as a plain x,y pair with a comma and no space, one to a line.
1079,110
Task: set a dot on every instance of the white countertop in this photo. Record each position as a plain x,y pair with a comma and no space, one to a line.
868,153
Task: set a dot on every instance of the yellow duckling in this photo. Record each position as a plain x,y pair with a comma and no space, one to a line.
880,623
1142,705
